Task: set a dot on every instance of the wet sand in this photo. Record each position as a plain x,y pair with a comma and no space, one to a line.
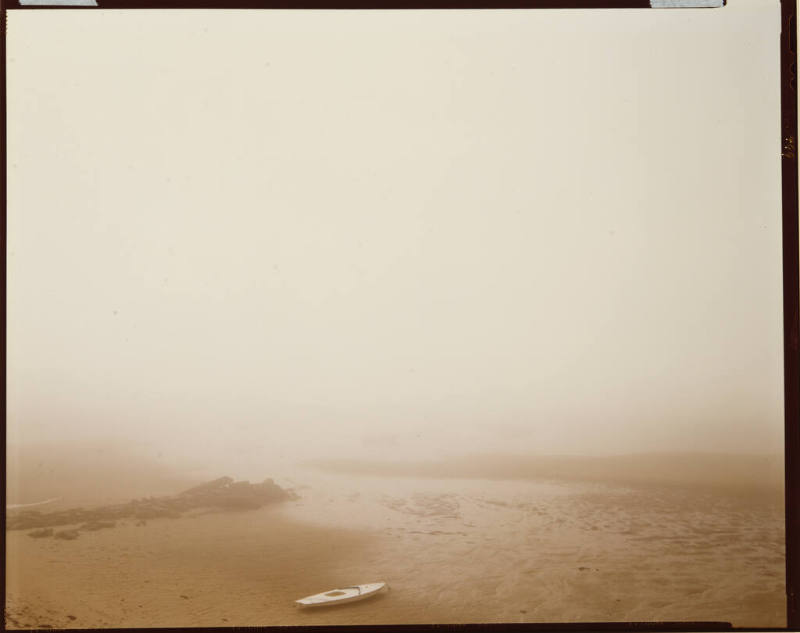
510,551
452,550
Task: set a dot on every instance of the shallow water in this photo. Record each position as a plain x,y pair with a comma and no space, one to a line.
14,506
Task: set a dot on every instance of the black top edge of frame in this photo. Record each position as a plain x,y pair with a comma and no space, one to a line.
348,4
456,628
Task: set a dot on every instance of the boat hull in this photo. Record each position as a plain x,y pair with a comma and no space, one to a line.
344,595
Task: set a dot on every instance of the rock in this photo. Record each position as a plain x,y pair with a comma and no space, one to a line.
97,525
223,494
156,512
67,535
41,533
208,486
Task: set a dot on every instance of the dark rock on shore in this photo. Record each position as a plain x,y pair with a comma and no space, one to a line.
209,486
234,495
67,535
41,533
220,494
93,526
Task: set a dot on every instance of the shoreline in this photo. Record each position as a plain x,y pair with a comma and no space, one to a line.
17,506
453,550
756,477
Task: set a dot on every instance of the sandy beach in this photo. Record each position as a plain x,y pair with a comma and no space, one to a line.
211,570
452,550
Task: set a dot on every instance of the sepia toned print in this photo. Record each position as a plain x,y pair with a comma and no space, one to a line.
394,317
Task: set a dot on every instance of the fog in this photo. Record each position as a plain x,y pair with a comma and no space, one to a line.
262,238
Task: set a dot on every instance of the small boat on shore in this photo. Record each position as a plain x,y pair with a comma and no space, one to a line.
343,595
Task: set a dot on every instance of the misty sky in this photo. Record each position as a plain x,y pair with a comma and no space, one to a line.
396,233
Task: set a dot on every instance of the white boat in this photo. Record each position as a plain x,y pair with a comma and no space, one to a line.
345,594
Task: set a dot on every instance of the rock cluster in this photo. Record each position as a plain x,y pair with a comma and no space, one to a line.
220,494
67,535
41,533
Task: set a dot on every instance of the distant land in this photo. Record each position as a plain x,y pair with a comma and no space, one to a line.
739,474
